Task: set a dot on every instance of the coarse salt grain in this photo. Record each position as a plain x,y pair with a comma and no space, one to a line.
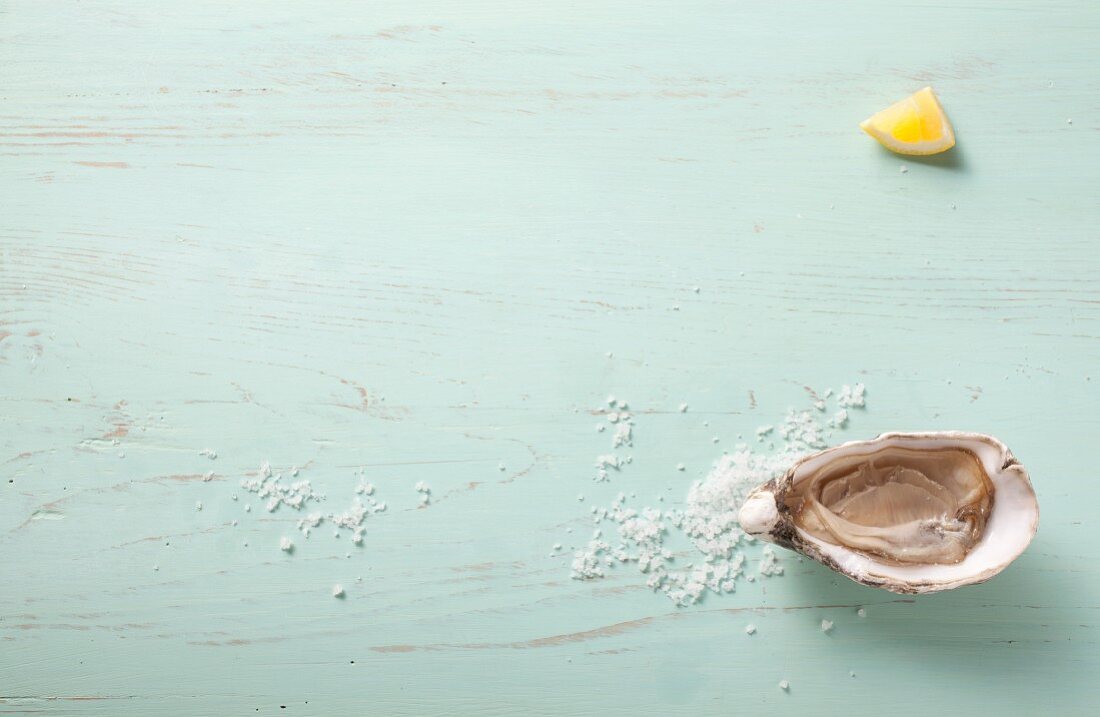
851,396
784,685
286,544
826,625
750,629
337,591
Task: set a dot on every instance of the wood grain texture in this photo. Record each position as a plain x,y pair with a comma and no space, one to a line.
402,237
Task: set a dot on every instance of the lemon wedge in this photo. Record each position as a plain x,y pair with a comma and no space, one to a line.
915,125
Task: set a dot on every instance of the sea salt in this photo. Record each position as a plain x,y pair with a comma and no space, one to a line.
208,453
750,629
851,397
286,545
708,519
269,485
299,494
769,564
683,408
826,625
784,685
337,591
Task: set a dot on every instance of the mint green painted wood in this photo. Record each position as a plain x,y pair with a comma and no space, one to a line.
403,236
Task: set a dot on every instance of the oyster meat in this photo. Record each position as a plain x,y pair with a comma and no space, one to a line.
908,512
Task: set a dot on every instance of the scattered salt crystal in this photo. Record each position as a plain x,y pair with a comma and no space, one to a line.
623,434
209,453
861,612
851,397
608,460
286,545
501,467
613,417
580,496
208,476
851,673
904,169
680,466
600,427
695,289
270,486
784,685
198,505
156,568
233,523
1069,121
623,407
750,629
826,625
557,546
337,591
683,408
610,400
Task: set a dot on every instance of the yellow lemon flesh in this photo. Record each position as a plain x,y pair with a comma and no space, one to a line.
915,125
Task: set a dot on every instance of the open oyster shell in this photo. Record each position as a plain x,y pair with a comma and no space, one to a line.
908,512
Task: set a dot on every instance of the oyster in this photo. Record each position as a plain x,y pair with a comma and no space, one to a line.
908,512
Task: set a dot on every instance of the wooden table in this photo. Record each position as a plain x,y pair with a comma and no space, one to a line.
423,241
